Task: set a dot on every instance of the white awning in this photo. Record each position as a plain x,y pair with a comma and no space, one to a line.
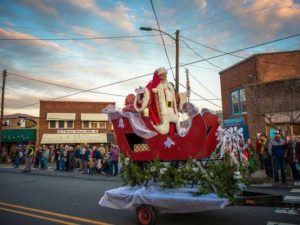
94,117
61,116
73,138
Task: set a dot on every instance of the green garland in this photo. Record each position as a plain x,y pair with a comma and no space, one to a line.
219,176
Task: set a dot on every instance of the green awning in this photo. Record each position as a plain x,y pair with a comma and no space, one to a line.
19,135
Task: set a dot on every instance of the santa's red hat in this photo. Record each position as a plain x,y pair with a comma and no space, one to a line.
155,80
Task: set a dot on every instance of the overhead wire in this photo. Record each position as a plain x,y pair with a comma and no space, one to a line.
242,49
64,86
163,41
196,53
76,39
182,65
209,47
199,82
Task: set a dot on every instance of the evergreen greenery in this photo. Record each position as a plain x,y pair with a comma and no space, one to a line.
222,177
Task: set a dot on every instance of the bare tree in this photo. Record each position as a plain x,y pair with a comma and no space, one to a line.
271,99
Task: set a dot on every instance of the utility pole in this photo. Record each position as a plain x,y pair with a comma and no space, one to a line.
4,74
177,61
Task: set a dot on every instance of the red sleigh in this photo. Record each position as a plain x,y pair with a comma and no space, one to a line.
198,141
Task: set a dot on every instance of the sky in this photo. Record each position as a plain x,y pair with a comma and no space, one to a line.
225,25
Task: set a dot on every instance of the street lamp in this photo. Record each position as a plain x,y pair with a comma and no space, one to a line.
176,39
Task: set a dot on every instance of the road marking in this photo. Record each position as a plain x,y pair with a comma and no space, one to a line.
295,190
278,223
38,217
55,214
291,198
289,211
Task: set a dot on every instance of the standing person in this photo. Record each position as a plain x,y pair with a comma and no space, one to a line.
250,153
18,156
56,157
71,159
267,158
29,151
85,159
78,157
277,149
114,160
61,158
98,160
259,147
37,156
46,154
293,157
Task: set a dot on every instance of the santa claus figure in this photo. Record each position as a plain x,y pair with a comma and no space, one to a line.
160,98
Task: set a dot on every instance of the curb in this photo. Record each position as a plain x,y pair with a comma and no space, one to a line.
72,175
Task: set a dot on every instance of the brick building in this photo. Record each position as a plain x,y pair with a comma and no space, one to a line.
268,73
18,129
72,122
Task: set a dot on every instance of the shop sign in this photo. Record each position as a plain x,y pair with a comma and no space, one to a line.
26,123
6,123
77,131
234,121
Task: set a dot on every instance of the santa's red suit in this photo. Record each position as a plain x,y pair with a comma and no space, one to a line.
159,97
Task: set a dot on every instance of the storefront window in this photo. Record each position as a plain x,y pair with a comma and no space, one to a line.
94,124
69,124
52,124
61,124
102,125
85,124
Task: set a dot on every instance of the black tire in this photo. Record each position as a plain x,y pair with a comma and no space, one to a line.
146,215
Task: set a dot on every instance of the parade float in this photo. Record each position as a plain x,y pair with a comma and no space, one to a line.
171,165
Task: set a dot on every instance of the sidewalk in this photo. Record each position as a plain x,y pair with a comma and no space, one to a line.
51,171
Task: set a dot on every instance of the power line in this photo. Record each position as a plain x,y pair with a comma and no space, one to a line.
201,96
280,64
230,17
163,41
76,39
64,86
91,89
203,86
194,62
196,53
209,47
243,49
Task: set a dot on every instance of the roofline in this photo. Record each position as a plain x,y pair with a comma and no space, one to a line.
88,102
254,55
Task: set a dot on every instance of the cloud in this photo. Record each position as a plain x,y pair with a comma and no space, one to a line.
109,44
269,18
120,16
202,5
43,6
11,34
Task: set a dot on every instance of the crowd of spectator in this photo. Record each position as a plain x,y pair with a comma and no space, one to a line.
278,152
90,159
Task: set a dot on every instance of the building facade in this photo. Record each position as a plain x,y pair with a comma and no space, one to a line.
267,74
72,122
18,129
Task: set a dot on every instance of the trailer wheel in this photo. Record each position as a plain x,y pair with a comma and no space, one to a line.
146,215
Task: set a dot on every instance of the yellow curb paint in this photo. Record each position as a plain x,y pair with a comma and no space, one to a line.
55,214
37,216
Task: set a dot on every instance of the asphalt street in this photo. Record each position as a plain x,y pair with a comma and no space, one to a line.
37,198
